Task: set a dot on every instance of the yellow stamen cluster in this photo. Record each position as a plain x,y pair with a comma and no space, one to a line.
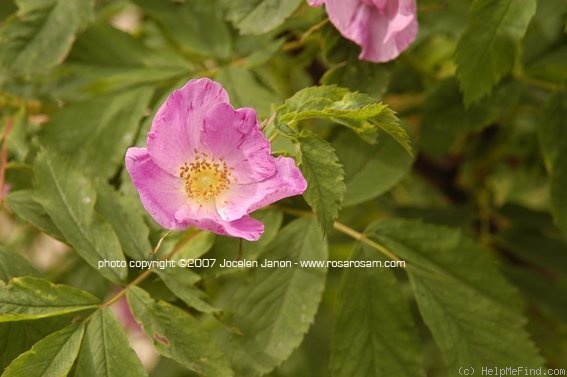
206,177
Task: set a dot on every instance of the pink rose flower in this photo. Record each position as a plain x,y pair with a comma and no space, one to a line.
208,165
383,28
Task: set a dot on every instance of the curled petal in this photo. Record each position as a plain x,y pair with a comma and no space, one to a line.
382,28
316,3
243,199
234,136
178,123
244,227
161,193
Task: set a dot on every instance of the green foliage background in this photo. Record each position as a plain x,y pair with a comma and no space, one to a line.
451,158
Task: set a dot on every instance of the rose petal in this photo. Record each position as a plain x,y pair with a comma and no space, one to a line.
161,193
243,199
179,121
234,136
244,227
316,3
383,29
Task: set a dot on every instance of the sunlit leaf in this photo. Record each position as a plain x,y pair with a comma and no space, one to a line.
52,356
471,311
277,306
25,298
105,350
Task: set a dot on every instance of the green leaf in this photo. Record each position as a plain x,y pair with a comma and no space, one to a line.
546,30
106,351
98,145
552,66
69,198
471,310
177,335
52,356
197,246
18,337
277,306
369,78
185,22
27,298
181,281
7,8
446,119
325,178
534,247
546,292
13,265
41,34
370,170
259,16
126,220
18,143
489,46
105,59
358,111
553,141
374,333
23,205
246,90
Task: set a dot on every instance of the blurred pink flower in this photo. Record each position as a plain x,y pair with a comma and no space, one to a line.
383,28
208,165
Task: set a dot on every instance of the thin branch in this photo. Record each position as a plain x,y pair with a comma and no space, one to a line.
4,156
144,275
348,231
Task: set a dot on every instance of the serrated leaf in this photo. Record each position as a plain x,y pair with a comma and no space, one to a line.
177,335
23,205
106,351
98,145
277,306
52,356
360,112
490,44
186,21
126,221
472,312
14,265
181,281
370,170
374,333
69,197
325,178
40,35
25,298
259,16
553,141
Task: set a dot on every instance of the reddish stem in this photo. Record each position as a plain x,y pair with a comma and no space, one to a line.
4,157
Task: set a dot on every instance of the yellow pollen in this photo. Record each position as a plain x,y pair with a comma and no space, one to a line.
205,177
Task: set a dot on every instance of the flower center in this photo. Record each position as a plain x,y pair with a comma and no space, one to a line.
206,177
